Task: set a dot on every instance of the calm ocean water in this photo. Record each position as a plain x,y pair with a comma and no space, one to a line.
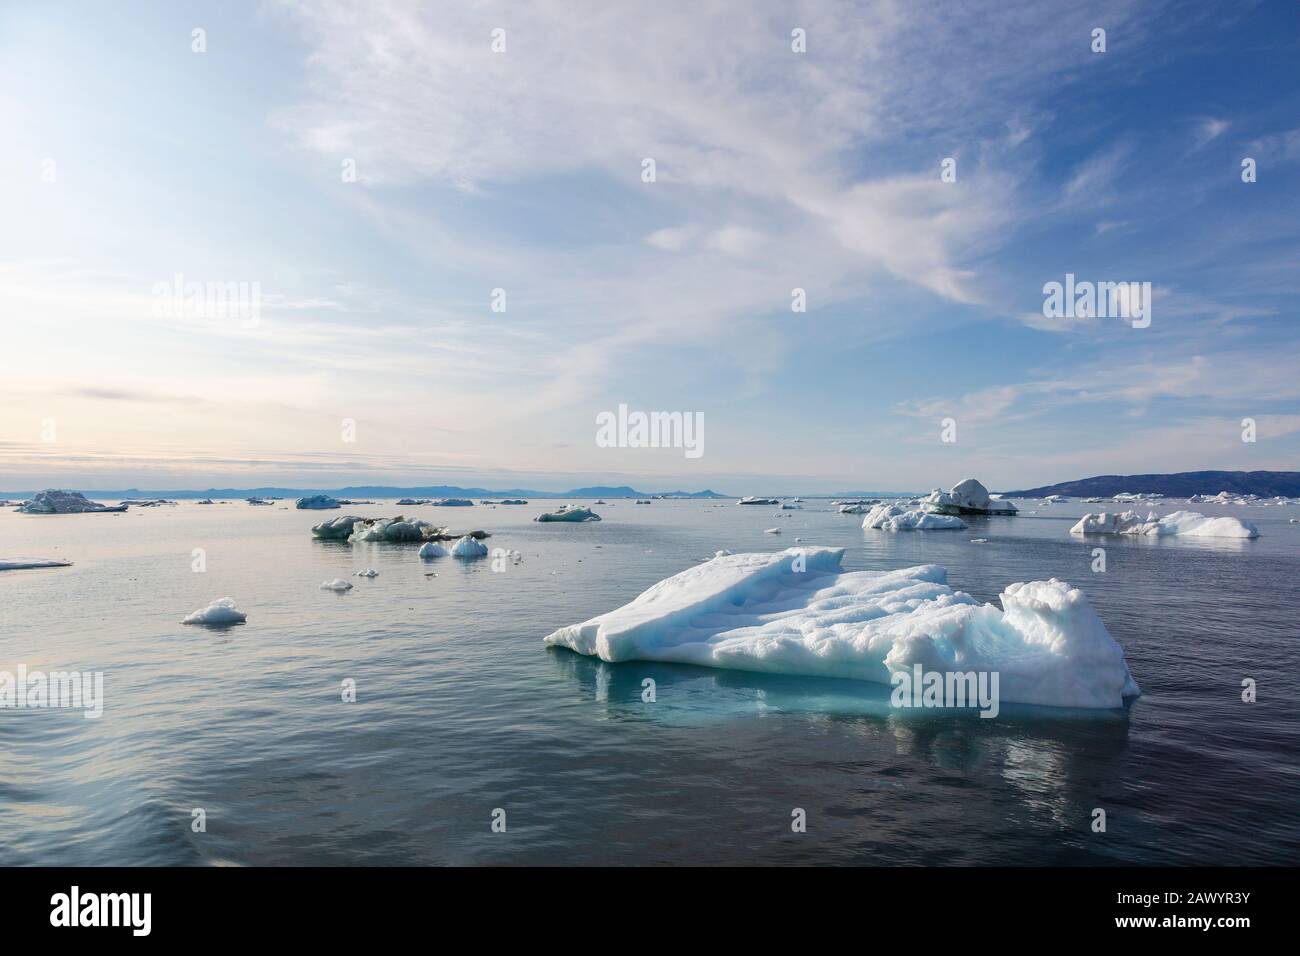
461,709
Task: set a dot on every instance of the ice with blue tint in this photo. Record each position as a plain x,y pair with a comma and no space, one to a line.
797,612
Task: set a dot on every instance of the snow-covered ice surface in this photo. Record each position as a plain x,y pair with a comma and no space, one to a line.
220,612
760,612
1190,524
894,518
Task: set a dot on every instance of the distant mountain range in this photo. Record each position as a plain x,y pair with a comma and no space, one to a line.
1266,484
384,491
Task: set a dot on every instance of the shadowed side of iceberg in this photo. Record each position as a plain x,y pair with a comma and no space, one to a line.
796,612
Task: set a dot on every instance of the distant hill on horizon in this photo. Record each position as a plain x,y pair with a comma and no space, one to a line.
381,491
1267,484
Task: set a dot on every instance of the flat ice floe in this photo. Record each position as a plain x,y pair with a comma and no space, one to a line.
894,518
220,612
565,513
28,565
1190,524
760,612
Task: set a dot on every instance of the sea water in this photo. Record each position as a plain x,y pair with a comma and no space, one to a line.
462,717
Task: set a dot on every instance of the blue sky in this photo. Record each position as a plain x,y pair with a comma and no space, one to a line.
521,170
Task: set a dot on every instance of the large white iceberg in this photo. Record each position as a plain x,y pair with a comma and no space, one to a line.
797,612
967,497
1191,524
894,518
53,501
316,503
220,612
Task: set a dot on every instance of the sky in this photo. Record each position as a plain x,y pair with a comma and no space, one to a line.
377,171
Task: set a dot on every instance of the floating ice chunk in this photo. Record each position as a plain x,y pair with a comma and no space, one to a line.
452,503
338,584
1191,524
367,573
468,547
316,503
772,531
894,518
565,513
219,612
28,565
336,529
967,497
751,500
53,501
797,612
433,550
391,530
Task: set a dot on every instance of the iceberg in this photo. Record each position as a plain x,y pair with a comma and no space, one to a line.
1191,524
468,547
53,501
335,529
393,530
433,550
451,503
367,573
316,503
751,500
967,497
798,612
894,518
565,513
220,612
338,584
28,565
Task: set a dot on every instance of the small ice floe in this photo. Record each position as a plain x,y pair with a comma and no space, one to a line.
979,540
335,529
565,513
316,503
452,503
220,612
772,531
721,554
53,501
338,584
1190,524
797,612
468,547
367,573
259,501
894,518
967,497
751,500
28,565
432,550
